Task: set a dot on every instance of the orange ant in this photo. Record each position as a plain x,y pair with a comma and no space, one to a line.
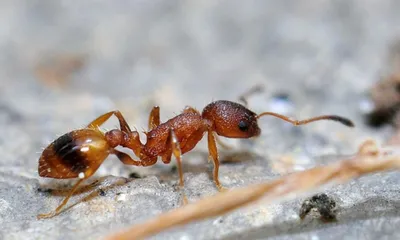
78,154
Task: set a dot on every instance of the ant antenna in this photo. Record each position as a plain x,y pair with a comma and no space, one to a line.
336,118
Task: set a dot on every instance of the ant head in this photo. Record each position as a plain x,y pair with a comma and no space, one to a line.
232,120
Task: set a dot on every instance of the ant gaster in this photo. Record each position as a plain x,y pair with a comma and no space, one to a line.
78,154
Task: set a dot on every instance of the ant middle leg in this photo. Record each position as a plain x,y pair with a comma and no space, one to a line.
176,151
63,203
103,118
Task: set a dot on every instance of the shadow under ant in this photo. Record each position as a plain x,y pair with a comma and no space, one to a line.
95,189
97,192
92,187
233,157
229,157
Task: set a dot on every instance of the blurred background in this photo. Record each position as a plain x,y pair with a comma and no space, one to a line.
63,63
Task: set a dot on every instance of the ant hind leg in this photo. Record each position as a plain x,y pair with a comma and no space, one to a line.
103,118
63,203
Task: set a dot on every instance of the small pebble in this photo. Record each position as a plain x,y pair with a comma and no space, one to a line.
121,197
102,192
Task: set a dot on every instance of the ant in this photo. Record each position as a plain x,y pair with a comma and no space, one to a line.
79,153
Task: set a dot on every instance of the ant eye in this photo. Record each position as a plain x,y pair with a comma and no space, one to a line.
243,126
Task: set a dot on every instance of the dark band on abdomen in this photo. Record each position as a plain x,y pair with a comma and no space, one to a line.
69,153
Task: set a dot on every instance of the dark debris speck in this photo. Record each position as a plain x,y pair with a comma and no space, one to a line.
321,203
102,192
174,169
44,190
134,175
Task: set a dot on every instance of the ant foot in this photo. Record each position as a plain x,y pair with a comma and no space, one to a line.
222,188
47,215
184,200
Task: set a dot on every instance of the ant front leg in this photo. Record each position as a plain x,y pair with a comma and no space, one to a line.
103,118
58,209
212,148
154,118
176,151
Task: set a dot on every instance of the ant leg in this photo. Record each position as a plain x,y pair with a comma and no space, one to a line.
58,209
103,118
126,159
176,150
212,148
154,118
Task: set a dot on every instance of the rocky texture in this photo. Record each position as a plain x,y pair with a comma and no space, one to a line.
64,63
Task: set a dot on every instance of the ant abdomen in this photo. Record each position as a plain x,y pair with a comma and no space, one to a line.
75,154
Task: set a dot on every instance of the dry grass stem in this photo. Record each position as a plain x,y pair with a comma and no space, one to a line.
369,159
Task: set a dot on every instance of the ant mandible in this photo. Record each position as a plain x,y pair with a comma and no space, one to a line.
79,153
